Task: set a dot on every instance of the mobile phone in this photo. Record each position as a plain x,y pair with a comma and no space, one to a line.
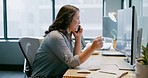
78,29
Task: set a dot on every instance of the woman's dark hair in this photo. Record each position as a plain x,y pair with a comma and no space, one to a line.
63,19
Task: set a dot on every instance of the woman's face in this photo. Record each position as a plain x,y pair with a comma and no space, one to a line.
75,22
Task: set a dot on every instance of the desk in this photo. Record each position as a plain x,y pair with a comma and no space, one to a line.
107,63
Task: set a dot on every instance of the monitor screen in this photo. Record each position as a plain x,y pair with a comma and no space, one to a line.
127,33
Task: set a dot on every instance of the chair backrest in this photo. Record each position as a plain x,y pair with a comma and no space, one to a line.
29,47
83,43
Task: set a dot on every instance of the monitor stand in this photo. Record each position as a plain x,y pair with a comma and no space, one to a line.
139,39
125,65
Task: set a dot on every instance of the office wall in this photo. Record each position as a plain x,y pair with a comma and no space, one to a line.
10,53
112,5
142,12
108,24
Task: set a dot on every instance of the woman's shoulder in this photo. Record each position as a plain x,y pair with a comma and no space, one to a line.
54,37
54,34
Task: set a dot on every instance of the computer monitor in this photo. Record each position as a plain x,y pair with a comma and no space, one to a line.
127,33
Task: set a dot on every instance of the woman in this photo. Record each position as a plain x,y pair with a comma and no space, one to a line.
56,53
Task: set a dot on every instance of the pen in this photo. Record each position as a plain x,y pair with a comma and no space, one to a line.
107,72
123,74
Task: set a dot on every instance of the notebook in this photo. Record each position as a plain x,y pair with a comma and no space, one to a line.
105,46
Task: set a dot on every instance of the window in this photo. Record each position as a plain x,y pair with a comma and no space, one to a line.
32,18
142,11
145,8
144,22
90,15
28,17
1,20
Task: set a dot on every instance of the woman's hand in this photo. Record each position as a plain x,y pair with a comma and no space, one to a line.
78,34
97,43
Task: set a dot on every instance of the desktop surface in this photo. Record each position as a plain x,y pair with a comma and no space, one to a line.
104,67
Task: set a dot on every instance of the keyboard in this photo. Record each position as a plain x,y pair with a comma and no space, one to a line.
110,53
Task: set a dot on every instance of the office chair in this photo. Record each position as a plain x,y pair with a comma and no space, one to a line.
29,47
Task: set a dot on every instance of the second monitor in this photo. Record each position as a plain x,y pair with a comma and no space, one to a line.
127,33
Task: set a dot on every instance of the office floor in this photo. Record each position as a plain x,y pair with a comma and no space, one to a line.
11,74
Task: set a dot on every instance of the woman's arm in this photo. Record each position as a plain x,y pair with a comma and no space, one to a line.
77,46
96,44
78,37
83,56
